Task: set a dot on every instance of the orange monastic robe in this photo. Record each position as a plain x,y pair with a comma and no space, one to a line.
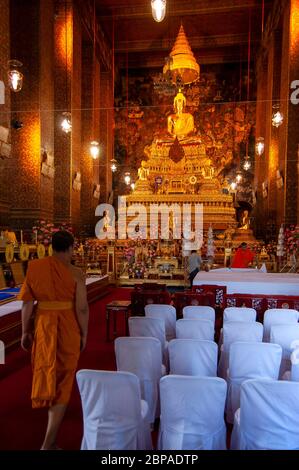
56,346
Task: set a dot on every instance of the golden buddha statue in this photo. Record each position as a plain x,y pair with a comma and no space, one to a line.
245,221
180,124
143,171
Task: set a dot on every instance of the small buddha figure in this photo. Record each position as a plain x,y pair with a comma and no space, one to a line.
245,221
180,124
143,171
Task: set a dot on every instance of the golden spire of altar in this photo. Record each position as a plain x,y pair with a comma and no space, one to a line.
183,63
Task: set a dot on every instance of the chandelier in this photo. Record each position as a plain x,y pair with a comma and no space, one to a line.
158,10
94,149
15,77
164,83
127,178
260,146
277,116
247,163
113,165
66,123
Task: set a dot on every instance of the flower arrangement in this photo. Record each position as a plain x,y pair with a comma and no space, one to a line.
44,230
137,270
292,240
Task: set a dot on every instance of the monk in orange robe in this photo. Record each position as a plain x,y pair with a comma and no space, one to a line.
60,329
243,257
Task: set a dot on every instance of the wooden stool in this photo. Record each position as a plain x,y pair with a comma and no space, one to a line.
115,307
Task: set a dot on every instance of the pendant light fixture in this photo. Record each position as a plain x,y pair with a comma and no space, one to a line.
94,148
127,178
113,165
239,177
260,146
66,121
15,77
158,10
277,116
247,163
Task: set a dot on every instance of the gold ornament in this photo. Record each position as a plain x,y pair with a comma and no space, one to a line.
24,252
41,251
193,180
9,253
183,63
50,250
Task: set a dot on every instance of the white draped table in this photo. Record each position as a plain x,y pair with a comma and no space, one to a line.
250,281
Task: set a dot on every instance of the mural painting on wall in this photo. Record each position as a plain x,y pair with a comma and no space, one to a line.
223,121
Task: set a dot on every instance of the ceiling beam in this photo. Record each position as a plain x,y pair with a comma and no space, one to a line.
196,42
184,7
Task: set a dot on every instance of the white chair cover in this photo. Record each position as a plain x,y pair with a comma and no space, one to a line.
199,311
281,316
239,314
193,357
195,329
167,313
268,416
237,331
288,338
192,413
115,417
142,357
249,361
152,328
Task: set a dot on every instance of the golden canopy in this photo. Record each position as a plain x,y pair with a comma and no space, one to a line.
183,63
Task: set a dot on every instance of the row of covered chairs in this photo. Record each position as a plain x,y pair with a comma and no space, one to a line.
242,314
192,413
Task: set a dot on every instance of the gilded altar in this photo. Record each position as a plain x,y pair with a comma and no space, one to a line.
177,170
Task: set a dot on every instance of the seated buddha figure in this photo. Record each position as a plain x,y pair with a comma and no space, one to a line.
180,124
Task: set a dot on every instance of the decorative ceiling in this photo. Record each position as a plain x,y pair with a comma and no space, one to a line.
217,30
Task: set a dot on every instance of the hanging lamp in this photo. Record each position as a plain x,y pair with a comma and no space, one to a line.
15,77
94,149
158,10
277,116
66,122
260,146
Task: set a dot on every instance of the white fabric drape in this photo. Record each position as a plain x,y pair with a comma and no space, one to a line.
287,336
193,357
167,313
192,413
237,331
268,416
199,311
195,329
142,357
249,361
115,417
278,316
152,328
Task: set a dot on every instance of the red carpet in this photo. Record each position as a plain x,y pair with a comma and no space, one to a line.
22,428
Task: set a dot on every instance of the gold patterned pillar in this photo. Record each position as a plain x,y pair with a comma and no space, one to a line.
4,109
68,68
31,196
106,131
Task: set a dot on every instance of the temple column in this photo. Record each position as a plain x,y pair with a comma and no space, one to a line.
31,193
68,65
4,110
90,131
106,132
